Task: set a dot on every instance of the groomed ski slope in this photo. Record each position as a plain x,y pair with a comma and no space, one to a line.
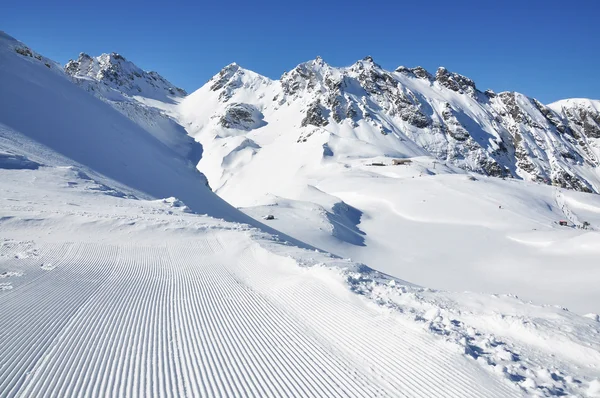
103,295
171,320
108,296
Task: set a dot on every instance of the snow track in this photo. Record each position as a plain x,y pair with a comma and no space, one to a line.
208,319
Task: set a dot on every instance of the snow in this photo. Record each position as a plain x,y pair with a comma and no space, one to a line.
42,107
427,222
145,298
122,274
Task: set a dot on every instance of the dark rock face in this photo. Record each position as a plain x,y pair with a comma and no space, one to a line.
591,125
566,180
315,116
421,73
224,76
407,107
455,82
418,72
304,78
241,116
455,129
552,118
509,100
490,93
73,67
585,120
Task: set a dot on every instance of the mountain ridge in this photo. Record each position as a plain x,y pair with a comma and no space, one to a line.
505,134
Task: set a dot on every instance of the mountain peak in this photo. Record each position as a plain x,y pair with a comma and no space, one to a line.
114,71
417,71
224,76
367,62
232,66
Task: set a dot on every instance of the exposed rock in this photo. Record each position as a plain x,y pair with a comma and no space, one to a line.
490,93
421,73
455,82
241,116
223,77
502,135
315,115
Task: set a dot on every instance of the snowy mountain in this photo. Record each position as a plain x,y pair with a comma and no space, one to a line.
48,119
115,72
122,274
144,97
316,150
301,148
364,110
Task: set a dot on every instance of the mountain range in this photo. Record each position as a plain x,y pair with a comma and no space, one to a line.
403,113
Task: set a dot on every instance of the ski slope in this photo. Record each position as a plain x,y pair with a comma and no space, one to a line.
134,320
108,295
150,304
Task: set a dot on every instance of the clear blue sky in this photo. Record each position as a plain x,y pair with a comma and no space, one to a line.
546,49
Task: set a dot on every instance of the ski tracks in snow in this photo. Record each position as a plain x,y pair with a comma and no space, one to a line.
202,320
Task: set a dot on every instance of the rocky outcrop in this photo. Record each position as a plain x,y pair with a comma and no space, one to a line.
242,117
124,86
315,115
455,82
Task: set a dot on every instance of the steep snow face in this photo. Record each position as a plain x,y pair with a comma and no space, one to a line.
364,110
44,113
144,97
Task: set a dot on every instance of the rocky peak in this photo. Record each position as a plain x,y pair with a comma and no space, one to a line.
224,76
366,63
308,76
490,93
418,72
319,61
233,78
504,135
114,71
79,67
582,115
455,82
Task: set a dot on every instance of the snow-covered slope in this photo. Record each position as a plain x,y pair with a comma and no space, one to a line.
363,110
299,148
102,294
144,97
42,111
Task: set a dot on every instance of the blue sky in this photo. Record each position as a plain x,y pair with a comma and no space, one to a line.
545,49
